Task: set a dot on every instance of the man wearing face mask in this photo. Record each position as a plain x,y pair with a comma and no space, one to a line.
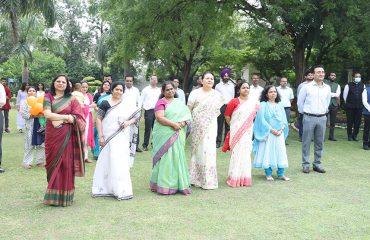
352,95
334,103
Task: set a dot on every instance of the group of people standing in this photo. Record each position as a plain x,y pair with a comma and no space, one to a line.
255,119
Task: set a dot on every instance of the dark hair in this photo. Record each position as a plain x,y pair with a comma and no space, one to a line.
205,73
257,74
84,81
101,87
264,98
164,88
354,73
107,75
129,75
242,82
116,83
308,71
23,86
43,86
3,79
27,88
67,91
317,66
331,73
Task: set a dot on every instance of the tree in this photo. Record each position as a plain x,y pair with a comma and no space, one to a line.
309,25
16,9
177,35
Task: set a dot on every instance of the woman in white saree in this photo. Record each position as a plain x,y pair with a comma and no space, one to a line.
204,104
240,113
116,125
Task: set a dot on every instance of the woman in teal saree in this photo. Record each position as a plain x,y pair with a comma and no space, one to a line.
170,172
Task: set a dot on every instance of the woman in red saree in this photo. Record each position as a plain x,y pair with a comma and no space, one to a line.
63,142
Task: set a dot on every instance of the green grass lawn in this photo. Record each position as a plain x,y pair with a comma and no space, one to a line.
335,205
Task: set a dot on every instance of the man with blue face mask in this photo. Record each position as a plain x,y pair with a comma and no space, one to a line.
352,96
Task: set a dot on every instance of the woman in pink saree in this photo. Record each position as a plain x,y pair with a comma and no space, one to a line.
63,142
89,130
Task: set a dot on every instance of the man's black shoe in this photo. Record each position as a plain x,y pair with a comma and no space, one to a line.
306,170
138,150
218,145
332,139
2,170
366,147
354,139
145,148
319,170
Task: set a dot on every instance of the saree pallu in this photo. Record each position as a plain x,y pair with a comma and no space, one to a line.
203,171
112,171
241,132
89,130
64,151
170,172
96,149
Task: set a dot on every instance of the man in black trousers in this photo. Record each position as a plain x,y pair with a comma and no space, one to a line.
352,95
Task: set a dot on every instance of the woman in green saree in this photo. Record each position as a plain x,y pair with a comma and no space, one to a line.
170,172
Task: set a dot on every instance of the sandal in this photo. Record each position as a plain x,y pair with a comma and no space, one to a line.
269,178
284,178
88,160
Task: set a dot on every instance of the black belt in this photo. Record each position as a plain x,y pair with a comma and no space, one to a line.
315,115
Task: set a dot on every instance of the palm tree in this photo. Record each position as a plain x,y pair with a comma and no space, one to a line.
14,9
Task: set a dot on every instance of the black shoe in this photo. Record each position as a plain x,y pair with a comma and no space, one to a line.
366,147
145,148
218,145
354,139
319,169
332,139
349,139
306,170
2,170
138,150
7,130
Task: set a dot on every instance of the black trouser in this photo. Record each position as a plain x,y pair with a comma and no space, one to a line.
366,130
6,118
353,121
149,118
220,125
300,125
332,114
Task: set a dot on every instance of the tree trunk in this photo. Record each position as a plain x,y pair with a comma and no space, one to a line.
126,66
25,72
15,27
299,61
186,76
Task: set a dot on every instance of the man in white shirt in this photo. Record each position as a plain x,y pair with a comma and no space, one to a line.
227,89
313,102
334,103
286,96
255,89
179,91
2,103
132,96
308,76
149,97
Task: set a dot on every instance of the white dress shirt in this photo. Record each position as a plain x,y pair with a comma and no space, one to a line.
227,90
255,92
314,98
336,94
345,92
149,97
364,100
180,94
300,87
286,95
132,96
2,96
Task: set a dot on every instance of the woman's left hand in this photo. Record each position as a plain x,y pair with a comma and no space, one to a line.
125,124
